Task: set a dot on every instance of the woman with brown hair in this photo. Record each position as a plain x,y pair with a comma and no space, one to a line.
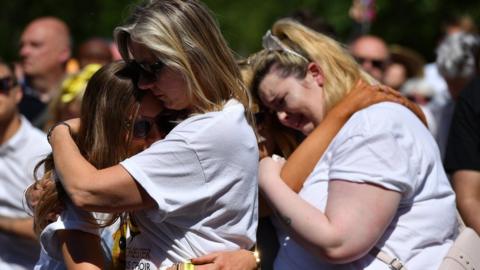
112,127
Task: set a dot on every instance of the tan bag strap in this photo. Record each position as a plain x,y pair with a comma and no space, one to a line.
393,262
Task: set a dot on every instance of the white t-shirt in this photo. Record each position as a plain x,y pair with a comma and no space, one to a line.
386,145
203,177
72,218
18,157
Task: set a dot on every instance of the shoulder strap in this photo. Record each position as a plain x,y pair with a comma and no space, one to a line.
393,262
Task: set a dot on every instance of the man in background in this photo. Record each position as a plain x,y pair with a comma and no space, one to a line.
44,51
371,52
21,147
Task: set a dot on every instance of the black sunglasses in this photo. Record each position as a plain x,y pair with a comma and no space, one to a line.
380,64
147,70
6,83
143,126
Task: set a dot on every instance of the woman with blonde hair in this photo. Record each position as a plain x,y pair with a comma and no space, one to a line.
377,191
195,191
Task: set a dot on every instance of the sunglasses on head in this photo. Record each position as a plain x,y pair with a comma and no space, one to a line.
6,83
380,64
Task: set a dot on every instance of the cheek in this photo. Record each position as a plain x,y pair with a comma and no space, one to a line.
137,145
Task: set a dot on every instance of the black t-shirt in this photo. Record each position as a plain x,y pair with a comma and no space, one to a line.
463,148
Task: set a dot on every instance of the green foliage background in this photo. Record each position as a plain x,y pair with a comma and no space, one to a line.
412,23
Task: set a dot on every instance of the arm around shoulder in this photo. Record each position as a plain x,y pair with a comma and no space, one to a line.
107,190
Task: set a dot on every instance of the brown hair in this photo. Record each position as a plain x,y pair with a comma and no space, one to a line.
109,107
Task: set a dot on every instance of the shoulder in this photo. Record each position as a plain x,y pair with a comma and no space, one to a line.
228,124
382,117
34,136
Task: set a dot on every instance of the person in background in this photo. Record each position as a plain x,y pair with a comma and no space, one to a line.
462,158
67,104
371,53
457,62
21,147
451,25
421,92
44,51
94,51
404,64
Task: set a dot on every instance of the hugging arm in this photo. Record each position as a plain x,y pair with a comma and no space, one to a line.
22,227
107,190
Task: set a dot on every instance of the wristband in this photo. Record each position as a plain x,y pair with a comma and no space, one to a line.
49,133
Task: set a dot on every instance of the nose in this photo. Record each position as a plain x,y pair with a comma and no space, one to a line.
145,82
24,50
367,65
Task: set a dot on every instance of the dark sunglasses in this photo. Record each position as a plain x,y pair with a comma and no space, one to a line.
380,64
143,126
147,70
6,83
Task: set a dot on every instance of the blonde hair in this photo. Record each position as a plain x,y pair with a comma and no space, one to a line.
184,36
339,69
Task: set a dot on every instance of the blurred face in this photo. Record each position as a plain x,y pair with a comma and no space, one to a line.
10,96
298,102
395,76
42,49
166,84
372,54
145,128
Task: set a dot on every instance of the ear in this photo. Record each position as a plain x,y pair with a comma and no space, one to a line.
316,72
64,55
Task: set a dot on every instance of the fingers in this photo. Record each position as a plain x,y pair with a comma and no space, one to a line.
210,258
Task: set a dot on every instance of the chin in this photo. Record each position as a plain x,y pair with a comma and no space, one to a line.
307,129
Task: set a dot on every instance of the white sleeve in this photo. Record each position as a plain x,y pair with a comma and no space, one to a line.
171,173
72,218
374,157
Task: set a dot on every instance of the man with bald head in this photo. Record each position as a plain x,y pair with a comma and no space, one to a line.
372,54
44,51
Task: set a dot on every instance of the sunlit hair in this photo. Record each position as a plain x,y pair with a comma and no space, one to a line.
184,35
109,107
339,69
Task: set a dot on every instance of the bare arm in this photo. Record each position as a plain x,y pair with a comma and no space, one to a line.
466,184
355,218
109,190
81,250
22,227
